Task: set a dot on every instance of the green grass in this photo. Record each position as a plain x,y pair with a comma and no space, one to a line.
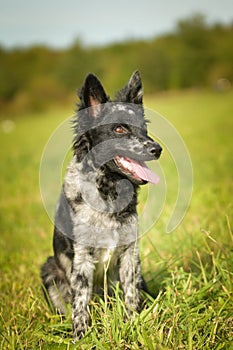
190,271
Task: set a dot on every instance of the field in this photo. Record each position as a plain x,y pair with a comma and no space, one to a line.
189,271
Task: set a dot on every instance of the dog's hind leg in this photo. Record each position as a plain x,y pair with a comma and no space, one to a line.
57,289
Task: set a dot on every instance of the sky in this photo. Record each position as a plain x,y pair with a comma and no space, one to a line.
59,23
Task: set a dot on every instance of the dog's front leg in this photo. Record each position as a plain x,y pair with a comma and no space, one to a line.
82,286
131,278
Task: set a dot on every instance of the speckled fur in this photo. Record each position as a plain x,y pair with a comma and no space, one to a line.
94,231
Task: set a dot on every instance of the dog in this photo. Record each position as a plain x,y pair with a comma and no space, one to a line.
96,224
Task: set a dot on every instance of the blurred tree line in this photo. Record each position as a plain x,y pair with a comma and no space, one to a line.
195,54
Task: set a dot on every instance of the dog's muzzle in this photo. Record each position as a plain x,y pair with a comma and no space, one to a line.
153,149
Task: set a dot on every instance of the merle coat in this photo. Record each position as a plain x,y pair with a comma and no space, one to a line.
96,224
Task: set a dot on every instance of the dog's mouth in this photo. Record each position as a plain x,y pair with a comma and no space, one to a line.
138,171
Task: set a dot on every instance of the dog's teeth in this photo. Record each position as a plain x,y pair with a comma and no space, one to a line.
124,161
125,164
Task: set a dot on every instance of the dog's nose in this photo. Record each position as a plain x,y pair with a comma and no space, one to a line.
154,149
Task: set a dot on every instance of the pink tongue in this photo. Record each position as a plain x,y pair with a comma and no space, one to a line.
144,172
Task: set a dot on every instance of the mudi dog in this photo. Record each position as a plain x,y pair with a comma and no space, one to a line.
96,224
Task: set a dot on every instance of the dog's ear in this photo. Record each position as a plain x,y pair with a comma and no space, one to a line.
92,95
132,92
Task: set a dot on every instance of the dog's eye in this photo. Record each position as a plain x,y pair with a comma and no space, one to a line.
120,129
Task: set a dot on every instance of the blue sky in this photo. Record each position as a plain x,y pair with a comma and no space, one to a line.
59,23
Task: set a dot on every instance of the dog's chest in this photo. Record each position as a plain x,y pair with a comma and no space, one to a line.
94,222
102,230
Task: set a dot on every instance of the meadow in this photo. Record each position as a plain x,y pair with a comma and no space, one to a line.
189,271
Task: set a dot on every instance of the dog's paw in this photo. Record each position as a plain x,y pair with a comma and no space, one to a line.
79,329
77,336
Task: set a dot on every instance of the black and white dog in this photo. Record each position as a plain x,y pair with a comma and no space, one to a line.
96,225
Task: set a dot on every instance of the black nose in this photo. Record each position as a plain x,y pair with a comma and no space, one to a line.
154,149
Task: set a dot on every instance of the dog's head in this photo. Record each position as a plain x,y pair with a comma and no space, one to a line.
114,134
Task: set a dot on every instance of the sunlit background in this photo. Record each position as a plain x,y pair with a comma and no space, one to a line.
184,52
47,47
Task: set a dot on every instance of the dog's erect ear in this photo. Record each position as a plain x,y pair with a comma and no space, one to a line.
93,95
132,92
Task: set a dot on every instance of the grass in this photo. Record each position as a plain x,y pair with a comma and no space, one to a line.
189,271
